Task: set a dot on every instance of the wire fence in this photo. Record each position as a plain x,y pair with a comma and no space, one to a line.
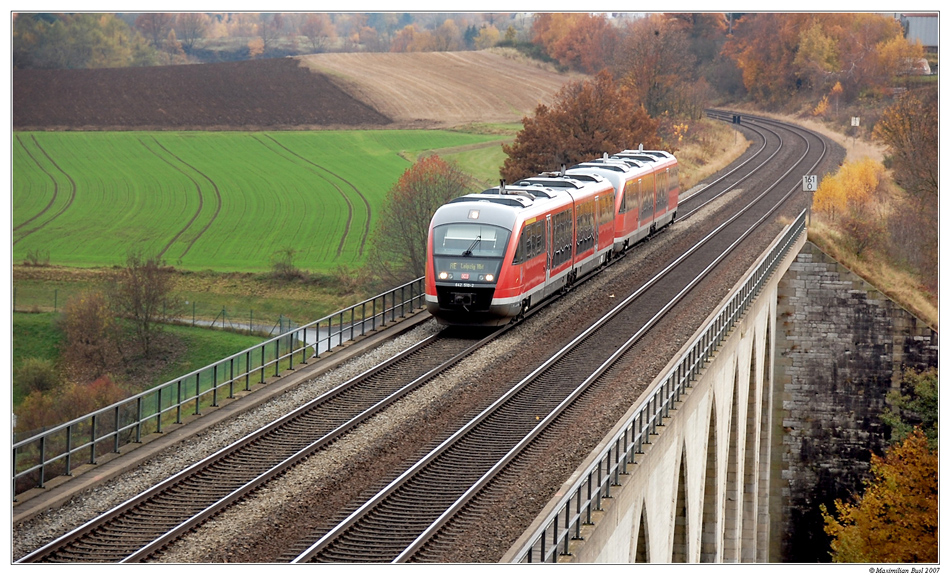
41,455
193,312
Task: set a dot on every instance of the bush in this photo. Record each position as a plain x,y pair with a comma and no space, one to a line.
88,326
36,374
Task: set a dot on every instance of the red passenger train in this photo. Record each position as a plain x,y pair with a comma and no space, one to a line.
494,255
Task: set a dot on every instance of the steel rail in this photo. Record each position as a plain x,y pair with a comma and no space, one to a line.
278,468
740,180
583,495
363,510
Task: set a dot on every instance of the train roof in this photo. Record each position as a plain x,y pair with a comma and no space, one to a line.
645,155
602,164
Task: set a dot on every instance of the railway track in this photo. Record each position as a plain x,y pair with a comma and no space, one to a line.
412,515
525,407
137,528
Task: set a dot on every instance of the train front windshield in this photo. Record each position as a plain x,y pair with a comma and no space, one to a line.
470,240
468,252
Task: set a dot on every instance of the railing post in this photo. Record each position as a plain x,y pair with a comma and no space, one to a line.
247,371
178,403
198,393
69,452
92,443
43,460
115,430
138,423
363,321
567,530
158,411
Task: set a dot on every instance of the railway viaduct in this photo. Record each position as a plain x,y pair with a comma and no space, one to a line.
782,417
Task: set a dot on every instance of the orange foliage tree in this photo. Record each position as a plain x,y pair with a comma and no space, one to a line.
656,65
851,197
587,118
782,54
577,40
895,520
398,246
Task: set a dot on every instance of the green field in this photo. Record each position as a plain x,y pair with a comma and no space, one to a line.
225,201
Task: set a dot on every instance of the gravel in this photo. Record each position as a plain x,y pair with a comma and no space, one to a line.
305,501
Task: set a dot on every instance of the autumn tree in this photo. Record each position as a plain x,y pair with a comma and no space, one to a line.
895,519
89,349
173,50
487,37
269,30
586,119
550,28
781,55
817,57
852,198
398,246
69,401
589,45
155,26
191,27
319,32
142,295
655,64
77,41
763,47
447,37
404,39
910,128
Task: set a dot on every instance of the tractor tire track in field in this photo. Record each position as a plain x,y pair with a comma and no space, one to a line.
217,193
364,237
201,199
349,204
72,193
49,175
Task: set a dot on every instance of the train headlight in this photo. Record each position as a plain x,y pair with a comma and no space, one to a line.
443,275
489,278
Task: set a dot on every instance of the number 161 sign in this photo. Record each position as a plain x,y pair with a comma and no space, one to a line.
810,183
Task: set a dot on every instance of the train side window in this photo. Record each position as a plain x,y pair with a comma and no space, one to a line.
520,250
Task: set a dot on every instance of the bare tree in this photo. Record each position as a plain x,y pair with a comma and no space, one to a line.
191,27
319,32
155,26
142,295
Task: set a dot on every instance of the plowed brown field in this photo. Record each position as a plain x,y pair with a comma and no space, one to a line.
419,90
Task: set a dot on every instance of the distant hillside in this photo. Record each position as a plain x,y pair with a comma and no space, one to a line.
362,90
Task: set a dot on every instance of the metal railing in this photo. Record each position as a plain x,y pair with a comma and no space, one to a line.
59,450
575,508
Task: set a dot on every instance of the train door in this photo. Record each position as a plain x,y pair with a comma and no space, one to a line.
596,222
549,243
